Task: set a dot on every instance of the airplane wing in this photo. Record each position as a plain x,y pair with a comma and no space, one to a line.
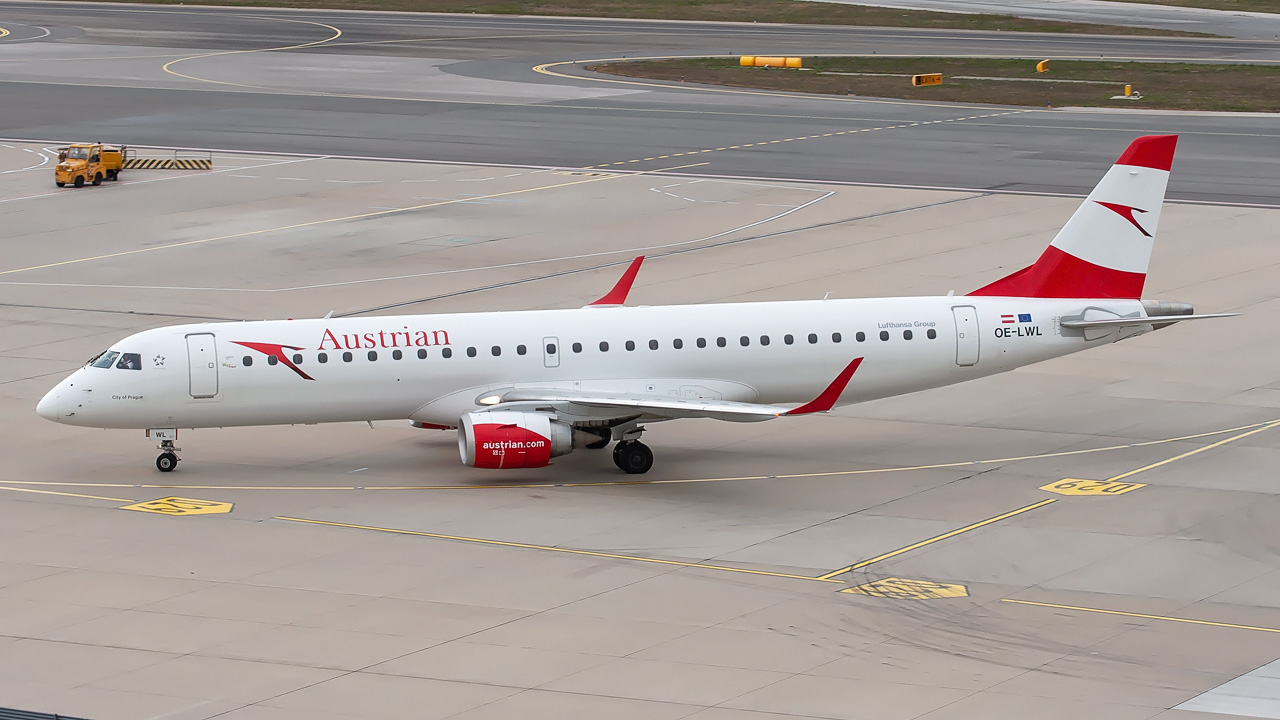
672,408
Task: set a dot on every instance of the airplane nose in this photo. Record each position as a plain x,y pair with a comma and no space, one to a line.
50,405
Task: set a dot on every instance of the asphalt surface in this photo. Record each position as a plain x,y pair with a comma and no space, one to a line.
1245,25
463,88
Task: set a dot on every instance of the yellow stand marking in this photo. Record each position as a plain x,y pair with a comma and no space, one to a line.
1142,615
181,506
937,538
549,548
1073,486
904,589
3,32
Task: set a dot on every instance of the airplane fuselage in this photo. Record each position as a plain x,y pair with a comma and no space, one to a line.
433,368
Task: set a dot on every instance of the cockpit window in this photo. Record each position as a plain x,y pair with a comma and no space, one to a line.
130,361
105,359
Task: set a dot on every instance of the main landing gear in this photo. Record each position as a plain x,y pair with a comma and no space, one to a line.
168,458
633,457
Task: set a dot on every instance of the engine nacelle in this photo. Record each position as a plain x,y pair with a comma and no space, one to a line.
502,439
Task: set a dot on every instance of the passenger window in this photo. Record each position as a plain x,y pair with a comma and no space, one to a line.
422,354
471,352
604,346
272,359
104,360
721,342
551,348
346,357
702,342
906,334
764,339
396,355
677,343
520,349
653,344
577,347
788,339
744,341
247,361
130,361
322,358
931,334
495,350
631,345
884,334
297,359
836,337
448,352
373,355
860,337
813,338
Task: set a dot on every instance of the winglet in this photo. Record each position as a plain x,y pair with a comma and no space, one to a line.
618,295
828,398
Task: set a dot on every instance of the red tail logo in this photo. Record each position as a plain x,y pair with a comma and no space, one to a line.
276,351
1125,212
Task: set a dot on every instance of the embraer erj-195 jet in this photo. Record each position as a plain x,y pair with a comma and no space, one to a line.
524,387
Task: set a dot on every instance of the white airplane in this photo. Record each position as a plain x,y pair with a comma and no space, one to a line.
524,387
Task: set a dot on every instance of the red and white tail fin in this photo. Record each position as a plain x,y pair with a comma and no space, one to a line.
1103,250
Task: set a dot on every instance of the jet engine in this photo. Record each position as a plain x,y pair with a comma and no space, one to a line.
502,439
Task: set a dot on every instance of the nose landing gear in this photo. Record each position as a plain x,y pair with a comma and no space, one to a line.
168,459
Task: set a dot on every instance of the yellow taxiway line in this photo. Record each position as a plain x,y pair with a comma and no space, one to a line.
936,538
551,548
1197,451
1142,615
63,494
676,481
167,67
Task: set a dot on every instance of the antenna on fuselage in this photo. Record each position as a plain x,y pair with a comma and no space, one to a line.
329,315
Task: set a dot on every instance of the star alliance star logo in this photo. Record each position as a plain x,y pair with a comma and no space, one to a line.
159,360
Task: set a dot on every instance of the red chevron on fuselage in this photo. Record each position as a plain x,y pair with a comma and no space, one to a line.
276,351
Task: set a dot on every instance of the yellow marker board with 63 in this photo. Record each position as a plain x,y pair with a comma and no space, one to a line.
1071,486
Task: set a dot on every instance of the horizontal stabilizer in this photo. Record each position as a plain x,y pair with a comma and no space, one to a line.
1127,322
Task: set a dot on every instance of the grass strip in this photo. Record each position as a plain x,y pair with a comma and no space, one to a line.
1172,86
765,11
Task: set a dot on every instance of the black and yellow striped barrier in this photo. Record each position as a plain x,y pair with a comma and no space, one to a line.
166,164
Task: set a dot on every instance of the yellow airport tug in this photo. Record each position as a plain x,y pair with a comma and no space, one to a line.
82,163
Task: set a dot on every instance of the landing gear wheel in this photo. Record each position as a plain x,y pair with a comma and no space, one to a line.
79,181
166,462
633,457
97,179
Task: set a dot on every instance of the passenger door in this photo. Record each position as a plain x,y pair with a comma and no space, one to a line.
967,346
202,363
